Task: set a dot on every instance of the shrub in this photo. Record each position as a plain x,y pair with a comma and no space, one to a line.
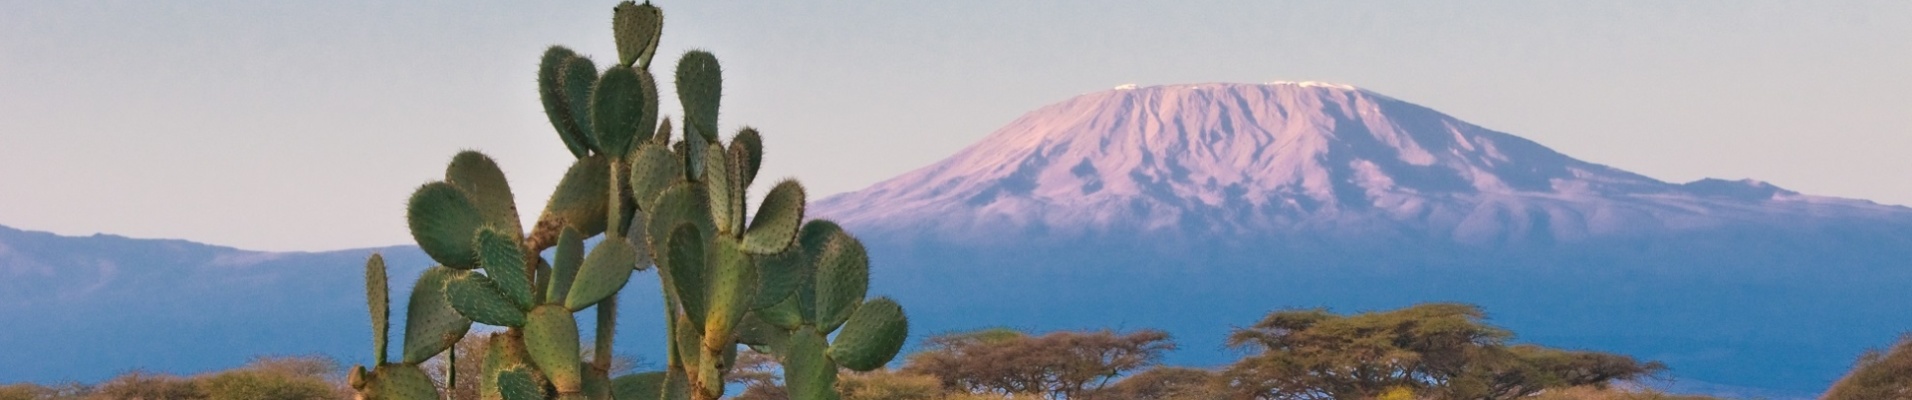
275,378
1058,365
1878,375
140,385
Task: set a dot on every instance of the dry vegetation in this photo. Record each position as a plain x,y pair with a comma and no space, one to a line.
1426,352
266,378
1879,375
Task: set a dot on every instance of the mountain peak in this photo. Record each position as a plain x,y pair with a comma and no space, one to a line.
1272,159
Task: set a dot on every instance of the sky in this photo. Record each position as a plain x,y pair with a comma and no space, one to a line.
303,125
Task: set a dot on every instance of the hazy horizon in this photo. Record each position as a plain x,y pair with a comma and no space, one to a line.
304,125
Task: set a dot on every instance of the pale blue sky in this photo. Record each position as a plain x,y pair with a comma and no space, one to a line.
303,125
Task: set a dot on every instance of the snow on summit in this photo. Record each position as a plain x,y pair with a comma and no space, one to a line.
1285,158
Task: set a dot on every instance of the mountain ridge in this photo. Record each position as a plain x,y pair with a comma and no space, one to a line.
1193,208
1293,158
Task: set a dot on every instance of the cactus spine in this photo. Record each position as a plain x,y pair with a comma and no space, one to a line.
766,279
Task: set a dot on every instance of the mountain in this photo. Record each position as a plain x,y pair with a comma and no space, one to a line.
1314,159
1196,208
88,308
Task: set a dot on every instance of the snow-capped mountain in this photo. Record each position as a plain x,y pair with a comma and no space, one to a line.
1293,158
1194,208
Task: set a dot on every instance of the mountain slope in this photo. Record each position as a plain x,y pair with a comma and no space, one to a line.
1194,208
88,308
1294,159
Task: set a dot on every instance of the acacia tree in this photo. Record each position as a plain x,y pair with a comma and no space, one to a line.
1441,350
1164,383
1058,365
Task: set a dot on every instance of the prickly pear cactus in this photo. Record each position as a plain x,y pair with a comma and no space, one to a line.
729,277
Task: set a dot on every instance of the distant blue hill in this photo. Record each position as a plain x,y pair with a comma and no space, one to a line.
88,308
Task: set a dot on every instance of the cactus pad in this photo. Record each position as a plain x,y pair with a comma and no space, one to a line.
520,383
578,76
722,192
780,275
731,283
431,325
551,338
785,314
663,136
617,105
642,386
478,298
556,106
497,357
564,268
604,272
653,169
637,28
807,373
777,220
443,222
685,268
579,203
842,275
399,382
504,262
872,336
484,184
378,299
700,84
747,150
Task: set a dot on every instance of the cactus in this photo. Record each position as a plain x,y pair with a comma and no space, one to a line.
729,277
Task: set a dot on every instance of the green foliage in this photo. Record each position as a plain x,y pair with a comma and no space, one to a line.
678,204
1056,365
1881,375
1443,350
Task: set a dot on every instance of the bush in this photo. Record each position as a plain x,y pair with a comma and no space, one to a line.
1164,383
140,385
1878,375
886,385
1058,365
276,378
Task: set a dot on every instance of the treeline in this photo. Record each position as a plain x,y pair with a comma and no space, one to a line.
1430,351
268,378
